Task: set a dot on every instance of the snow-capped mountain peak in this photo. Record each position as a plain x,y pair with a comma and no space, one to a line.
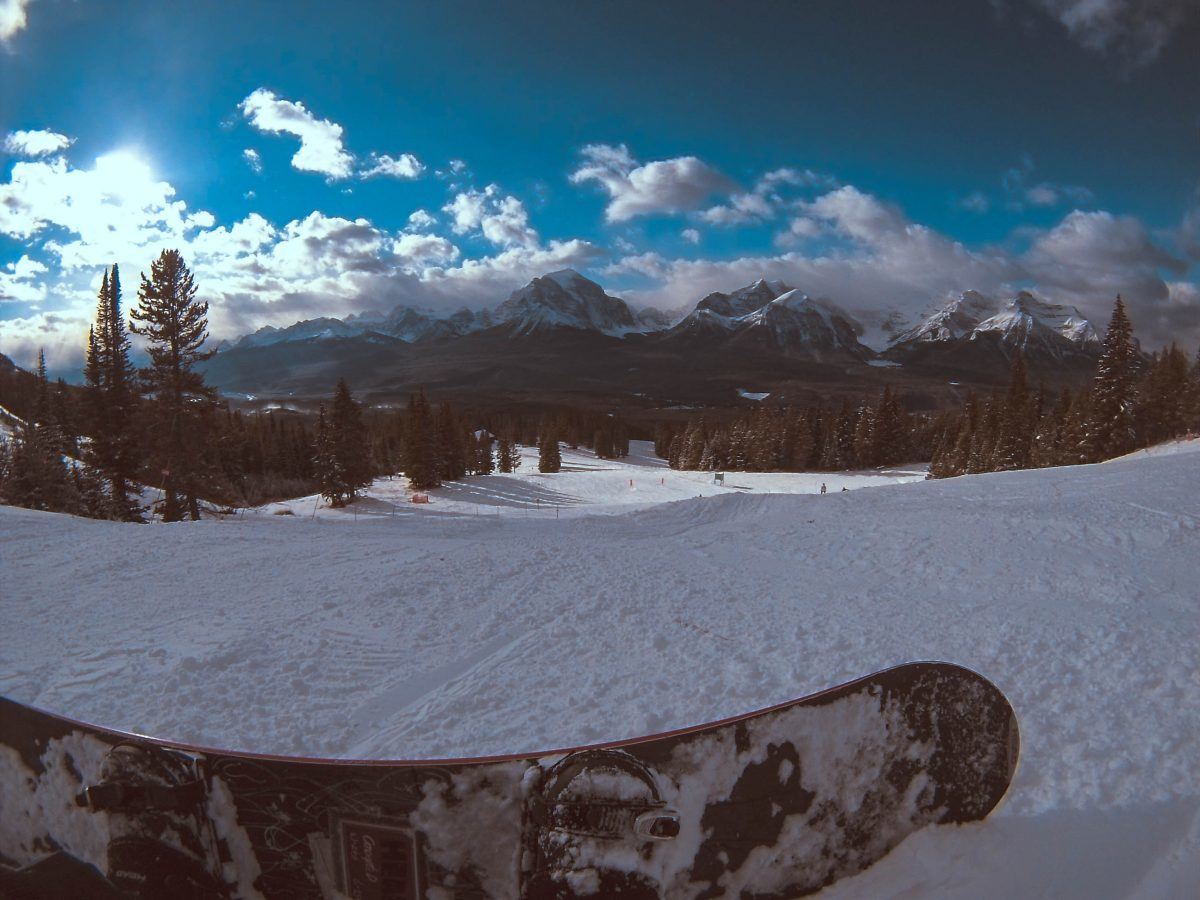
565,299
957,319
742,301
1025,318
796,322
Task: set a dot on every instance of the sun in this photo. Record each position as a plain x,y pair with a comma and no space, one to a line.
125,174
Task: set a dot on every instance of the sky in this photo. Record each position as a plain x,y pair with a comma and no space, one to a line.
313,160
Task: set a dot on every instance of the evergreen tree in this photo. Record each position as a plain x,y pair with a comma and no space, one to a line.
1161,405
509,455
1191,414
419,449
1110,427
1014,440
350,446
549,456
485,461
112,400
452,451
64,433
175,324
34,474
325,464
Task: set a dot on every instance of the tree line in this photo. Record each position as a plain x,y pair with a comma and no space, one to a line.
816,438
1131,402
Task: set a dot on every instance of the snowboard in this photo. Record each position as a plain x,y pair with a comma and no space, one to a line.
771,804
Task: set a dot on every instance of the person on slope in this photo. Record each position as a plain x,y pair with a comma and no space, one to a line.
822,487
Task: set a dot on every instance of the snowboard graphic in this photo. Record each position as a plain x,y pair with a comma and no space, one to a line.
773,804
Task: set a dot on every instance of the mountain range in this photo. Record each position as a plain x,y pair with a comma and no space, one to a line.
562,331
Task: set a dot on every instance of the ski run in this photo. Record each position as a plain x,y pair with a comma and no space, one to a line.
615,598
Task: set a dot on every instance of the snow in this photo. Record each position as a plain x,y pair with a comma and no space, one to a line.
972,314
1170,448
1023,314
753,395
586,486
496,620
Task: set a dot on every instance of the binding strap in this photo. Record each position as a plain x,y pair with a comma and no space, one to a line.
115,796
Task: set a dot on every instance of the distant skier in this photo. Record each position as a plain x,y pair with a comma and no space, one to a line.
822,487
844,489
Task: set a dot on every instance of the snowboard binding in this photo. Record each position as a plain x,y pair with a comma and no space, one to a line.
161,840
584,804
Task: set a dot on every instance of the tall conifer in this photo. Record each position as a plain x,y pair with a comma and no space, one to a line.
1110,426
175,324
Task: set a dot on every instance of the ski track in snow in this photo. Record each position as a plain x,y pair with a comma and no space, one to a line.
482,624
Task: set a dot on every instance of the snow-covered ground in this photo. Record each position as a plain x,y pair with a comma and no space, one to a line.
454,630
586,486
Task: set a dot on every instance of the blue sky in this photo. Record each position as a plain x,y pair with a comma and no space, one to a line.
319,161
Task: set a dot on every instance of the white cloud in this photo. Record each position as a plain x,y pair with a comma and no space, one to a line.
251,271
881,261
1137,30
404,166
1092,256
491,278
420,219
17,281
800,228
742,208
502,219
61,333
765,199
691,235
253,160
91,216
321,149
36,143
664,186
419,250
13,17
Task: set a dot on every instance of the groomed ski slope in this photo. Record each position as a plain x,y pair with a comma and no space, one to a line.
448,631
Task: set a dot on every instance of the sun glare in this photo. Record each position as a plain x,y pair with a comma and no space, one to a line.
125,173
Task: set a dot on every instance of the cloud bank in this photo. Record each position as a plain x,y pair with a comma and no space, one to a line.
830,239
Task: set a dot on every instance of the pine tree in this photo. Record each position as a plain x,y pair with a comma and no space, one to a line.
549,456
325,465
1014,441
485,461
1191,410
1110,427
508,455
64,432
1160,408
34,474
175,324
112,400
419,448
350,447
452,451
